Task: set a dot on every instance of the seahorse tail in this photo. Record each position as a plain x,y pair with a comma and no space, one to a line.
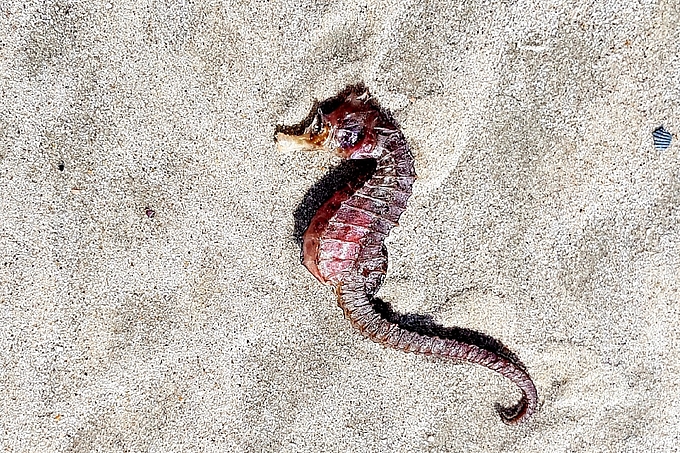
363,316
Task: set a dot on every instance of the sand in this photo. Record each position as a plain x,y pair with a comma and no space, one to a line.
151,295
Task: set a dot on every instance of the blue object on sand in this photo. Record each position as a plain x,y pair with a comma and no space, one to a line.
662,138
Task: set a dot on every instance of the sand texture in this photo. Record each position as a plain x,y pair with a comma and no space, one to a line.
151,293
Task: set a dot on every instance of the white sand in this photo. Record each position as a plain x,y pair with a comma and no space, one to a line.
542,216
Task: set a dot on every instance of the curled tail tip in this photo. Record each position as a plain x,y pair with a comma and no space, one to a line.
513,415
517,414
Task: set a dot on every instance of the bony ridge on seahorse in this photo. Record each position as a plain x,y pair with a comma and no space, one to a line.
343,246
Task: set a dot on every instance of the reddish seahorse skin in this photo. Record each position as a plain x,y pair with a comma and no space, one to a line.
358,308
343,247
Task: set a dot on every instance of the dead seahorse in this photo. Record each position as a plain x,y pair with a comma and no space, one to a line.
343,246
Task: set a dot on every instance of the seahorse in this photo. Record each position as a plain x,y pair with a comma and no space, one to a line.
343,246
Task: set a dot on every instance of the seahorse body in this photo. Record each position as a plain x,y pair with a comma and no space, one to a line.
344,243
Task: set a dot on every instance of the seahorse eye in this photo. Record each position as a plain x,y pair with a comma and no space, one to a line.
317,126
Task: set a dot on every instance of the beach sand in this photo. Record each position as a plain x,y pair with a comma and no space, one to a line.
151,293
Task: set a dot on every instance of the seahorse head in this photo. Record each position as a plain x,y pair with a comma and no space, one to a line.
350,127
345,128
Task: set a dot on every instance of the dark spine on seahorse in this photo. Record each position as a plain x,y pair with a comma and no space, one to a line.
344,246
